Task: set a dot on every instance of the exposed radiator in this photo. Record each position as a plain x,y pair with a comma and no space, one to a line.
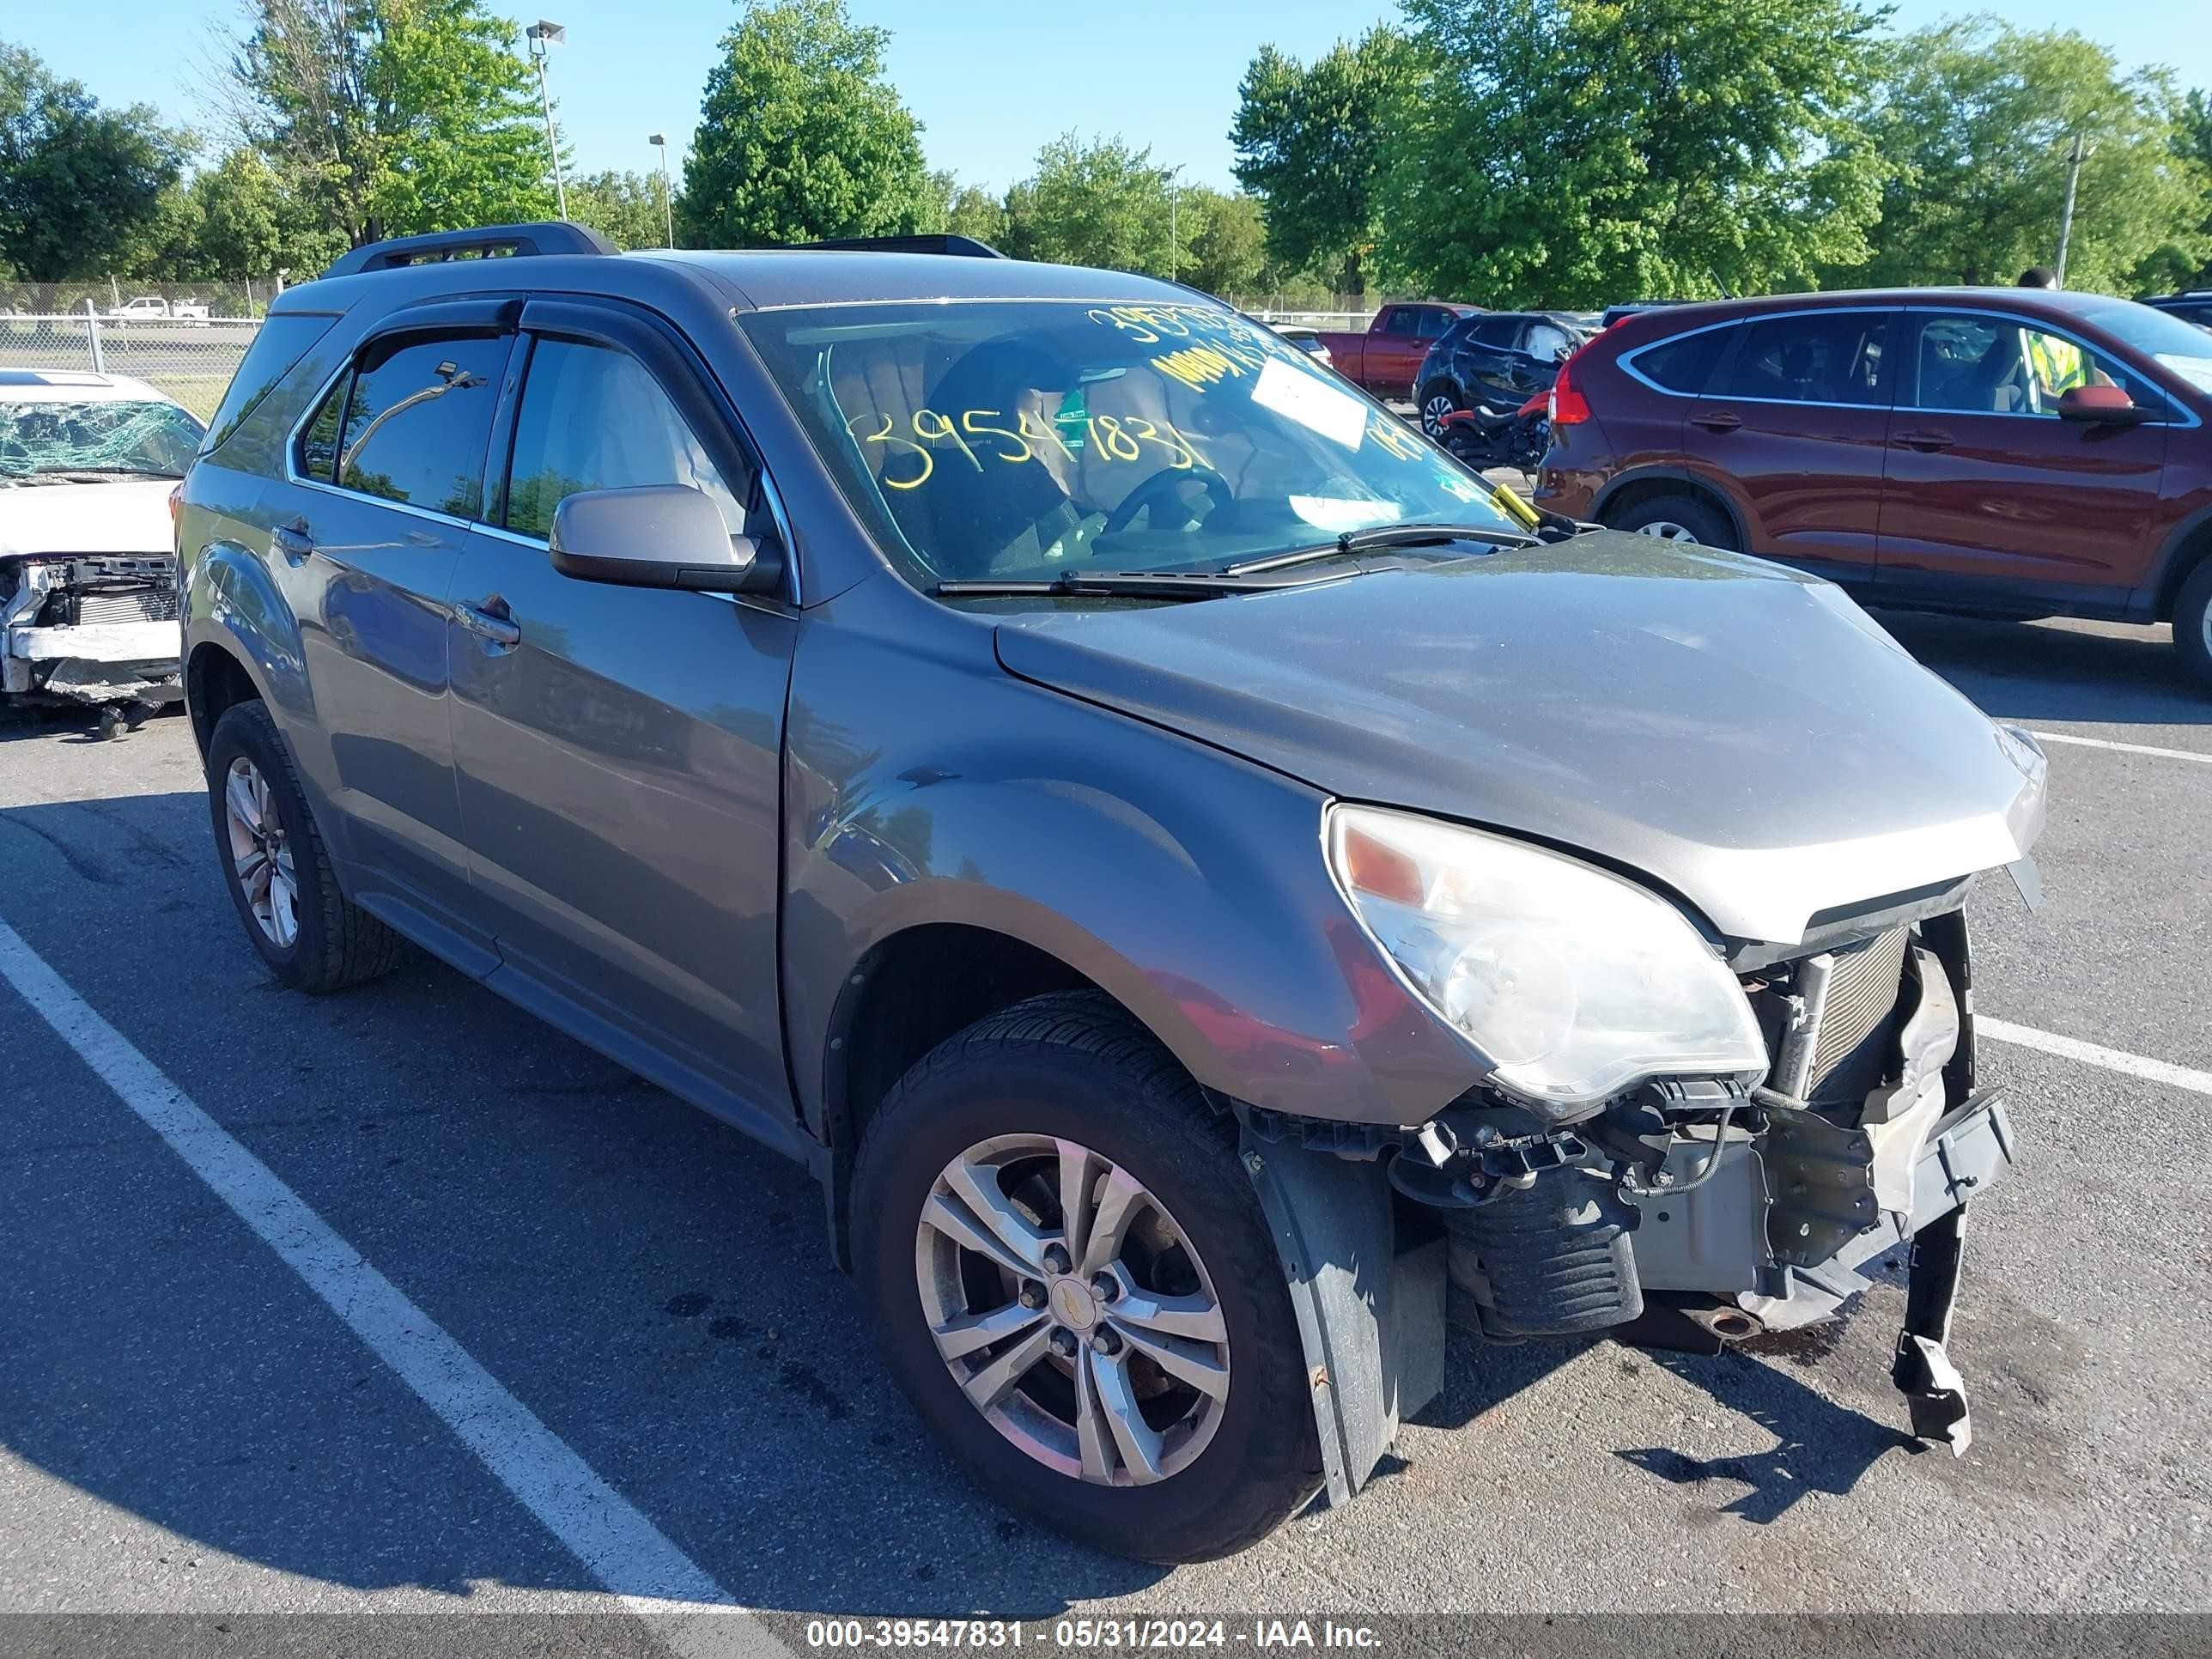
145,605
1851,1038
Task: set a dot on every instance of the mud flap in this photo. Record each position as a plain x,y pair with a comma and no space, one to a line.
1935,1393
1370,1317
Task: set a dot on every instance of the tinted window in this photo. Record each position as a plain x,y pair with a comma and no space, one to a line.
1498,330
1684,363
1813,357
279,343
419,417
1398,319
1429,323
593,418
1976,363
319,440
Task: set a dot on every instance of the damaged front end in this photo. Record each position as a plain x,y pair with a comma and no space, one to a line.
1694,1211
90,628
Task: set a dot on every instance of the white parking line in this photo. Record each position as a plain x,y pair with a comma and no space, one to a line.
622,1548
2113,1060
2201,758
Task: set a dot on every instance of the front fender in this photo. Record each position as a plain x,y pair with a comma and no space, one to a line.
1186,883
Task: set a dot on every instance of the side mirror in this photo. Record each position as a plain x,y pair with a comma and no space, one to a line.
2102,405
655,536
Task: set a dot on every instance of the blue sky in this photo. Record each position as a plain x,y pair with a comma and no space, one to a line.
990,84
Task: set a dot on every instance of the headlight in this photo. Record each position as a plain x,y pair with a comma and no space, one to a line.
1573,983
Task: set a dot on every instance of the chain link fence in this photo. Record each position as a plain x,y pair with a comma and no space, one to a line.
190,359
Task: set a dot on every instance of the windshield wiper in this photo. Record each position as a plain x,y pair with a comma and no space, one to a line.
1115,584
1378,537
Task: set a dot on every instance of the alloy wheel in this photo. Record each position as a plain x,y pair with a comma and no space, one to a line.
1667,530
1073,1310
1433,413
261,853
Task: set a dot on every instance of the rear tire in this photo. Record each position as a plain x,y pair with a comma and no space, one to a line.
2192,624
1073,1070
317,940
1679,518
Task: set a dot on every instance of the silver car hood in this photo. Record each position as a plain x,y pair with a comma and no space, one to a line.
1741,734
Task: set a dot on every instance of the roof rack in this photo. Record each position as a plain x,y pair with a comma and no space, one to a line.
934,242
517,241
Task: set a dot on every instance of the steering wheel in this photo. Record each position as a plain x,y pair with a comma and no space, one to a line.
1148,497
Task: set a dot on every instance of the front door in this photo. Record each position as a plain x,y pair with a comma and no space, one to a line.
620,748
1987,486
1791,426
383,477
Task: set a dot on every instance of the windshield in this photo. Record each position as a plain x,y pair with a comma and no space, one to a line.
994,440
2182,347
119,438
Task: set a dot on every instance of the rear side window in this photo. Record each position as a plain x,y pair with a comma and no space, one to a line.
1684,363
1498,330
318,439
1398,319
1812,357
634,435
418,420
279,344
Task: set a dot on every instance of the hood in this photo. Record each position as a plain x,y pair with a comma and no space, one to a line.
120,515
1744,735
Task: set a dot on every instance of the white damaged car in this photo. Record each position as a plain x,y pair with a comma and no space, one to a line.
88,565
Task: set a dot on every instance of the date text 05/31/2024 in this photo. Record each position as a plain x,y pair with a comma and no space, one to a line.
1264,1634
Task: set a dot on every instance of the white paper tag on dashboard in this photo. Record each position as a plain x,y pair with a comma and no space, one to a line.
1299,395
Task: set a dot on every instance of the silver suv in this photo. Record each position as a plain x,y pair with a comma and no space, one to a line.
1211,889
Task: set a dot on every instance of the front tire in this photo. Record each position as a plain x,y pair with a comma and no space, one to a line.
275,866
1069,1275
2192,624
1437,399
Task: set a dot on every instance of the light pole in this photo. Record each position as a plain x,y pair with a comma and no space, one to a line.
542,36
1175,201
660,141
2066,213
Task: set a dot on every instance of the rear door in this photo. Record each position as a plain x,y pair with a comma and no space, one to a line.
383,478
1791,426
619,748
1990,498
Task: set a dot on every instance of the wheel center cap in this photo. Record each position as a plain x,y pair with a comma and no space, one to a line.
1073,1304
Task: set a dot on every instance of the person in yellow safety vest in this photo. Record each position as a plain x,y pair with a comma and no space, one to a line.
2055,365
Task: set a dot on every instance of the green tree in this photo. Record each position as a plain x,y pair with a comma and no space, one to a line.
1313,142
252,225
1224,242
392,117
1976,122
83,189
2193,144
1098,203
966,210
625,208
800,136
1578,152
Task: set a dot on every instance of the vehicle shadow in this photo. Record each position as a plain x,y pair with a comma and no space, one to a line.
2030,672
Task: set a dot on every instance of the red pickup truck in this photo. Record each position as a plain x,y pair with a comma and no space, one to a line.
1385,358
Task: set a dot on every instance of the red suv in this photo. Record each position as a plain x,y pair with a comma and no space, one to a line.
2000,451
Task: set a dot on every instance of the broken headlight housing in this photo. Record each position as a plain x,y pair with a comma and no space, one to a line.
1570,983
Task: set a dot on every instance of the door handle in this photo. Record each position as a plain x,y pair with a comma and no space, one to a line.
491,621
1716,420
292,541
1928,443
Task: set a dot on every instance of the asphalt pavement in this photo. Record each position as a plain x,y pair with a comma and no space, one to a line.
187,1427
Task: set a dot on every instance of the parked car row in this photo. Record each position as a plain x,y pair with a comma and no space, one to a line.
1999,452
